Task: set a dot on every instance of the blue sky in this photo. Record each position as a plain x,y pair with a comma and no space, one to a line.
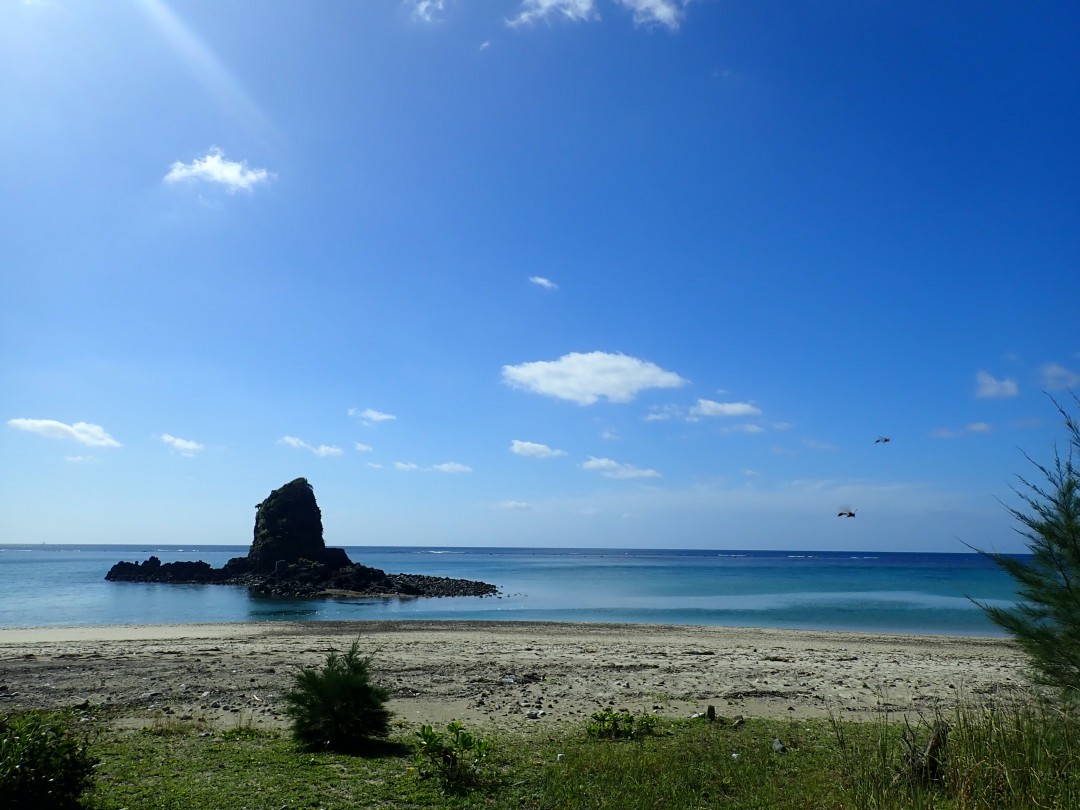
642,273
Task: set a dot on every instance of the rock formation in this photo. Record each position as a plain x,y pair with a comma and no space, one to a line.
288,557
288,526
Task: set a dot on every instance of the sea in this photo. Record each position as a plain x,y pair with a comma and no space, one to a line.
907,593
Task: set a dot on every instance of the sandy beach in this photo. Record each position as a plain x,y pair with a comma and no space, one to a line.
501,675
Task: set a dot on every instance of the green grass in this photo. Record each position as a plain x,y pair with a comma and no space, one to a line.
1018,757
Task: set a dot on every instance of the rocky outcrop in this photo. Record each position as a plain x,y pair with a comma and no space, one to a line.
289,558
154,570
288,527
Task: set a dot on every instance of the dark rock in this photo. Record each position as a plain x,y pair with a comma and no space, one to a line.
288,526
288,558
153,570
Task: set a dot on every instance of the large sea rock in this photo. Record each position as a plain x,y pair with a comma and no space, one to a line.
288,557
288,527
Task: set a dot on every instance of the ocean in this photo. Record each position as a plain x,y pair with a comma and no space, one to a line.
820,590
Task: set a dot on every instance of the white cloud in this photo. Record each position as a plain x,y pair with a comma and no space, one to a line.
613,469
323,450
370,415
81,432
974,427
663,413
214,168
363,448
989,388
706,407
81,459
1056,377
451,467
374,465
814,444
655,12
513,505
748,427
427,10
540,281
609,435
535,10
584,378
534,449
184,447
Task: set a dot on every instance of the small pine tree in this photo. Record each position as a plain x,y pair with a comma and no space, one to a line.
41,763
338,708
1046,620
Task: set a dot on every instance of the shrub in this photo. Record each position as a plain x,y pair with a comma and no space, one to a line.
41,763
611,725
338,708
455,757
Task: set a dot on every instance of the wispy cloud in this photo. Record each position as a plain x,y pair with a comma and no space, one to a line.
663,413
81,432
363,448
987,387
534,449
427,10
585,378
214,168
323,450
950,433
1056,377
706,407
814,444
613,469
451,467
81,459
370,415
745,427
513,505
667,13
532,11
546,283
184,447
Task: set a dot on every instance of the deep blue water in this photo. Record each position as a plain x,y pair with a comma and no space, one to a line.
888,592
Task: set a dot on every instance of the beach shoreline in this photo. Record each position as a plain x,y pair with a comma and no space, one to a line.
502,675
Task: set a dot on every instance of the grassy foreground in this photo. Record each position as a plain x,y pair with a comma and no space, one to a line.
1020,757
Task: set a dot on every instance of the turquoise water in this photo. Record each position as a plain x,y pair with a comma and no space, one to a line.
887,592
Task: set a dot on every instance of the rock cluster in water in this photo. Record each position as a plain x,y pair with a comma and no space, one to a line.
289,558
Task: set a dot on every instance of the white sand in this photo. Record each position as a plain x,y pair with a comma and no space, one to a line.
497,674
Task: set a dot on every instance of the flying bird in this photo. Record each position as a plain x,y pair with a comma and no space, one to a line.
846,513
882,440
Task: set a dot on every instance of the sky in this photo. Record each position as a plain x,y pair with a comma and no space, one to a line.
583,273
